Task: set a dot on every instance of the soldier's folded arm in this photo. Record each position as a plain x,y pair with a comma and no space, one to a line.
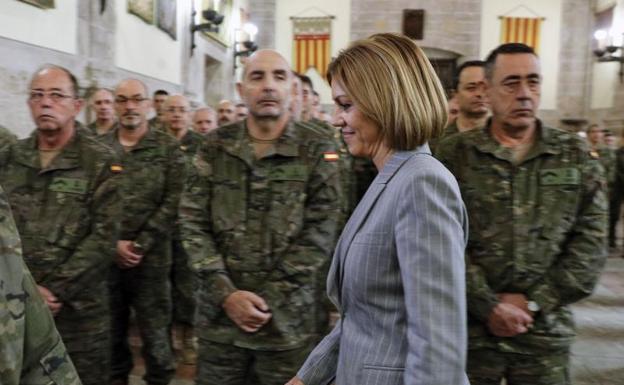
159,222
576,271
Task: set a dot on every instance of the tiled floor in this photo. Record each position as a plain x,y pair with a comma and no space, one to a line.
597,355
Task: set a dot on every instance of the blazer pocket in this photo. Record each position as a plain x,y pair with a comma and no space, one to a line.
386,375
372,238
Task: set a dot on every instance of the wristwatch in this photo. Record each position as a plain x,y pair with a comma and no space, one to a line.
533,306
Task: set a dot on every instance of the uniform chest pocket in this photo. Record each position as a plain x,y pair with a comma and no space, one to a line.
559,194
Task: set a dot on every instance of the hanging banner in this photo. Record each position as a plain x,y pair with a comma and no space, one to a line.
311,43
524,30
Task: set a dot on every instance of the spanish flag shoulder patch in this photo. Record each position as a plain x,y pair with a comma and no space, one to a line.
330,156
116,168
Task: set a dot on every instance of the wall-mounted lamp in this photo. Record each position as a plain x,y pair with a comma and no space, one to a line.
213,19
609,49
246,47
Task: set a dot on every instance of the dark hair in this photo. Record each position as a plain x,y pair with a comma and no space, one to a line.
306,80
466,64
160,92
507,48
72,78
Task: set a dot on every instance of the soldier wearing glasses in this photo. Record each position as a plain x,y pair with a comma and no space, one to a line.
60,185
154,174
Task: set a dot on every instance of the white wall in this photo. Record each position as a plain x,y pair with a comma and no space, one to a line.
145,49
605,75
50,28
549,36
340,34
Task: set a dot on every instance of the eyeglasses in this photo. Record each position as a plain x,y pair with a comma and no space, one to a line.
55,96
124,100
173,110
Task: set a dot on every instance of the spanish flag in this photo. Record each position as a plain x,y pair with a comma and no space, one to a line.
312,44
524,30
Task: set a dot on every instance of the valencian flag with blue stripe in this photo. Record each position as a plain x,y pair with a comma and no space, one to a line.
524,30
311,44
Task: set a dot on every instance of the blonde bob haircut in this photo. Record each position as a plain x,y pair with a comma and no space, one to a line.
391,81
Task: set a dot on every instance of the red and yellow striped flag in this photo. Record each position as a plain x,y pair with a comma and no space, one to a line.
524,30
311,44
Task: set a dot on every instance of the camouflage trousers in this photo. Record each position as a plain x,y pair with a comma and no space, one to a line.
220,364
489,367
184,286
146,290
87,340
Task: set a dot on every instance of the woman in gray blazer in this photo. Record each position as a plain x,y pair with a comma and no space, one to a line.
397,275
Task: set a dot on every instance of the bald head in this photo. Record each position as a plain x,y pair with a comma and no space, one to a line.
204,120
266,85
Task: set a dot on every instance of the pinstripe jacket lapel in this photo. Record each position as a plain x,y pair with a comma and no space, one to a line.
334,277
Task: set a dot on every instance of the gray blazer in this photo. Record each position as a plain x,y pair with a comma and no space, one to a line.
397,277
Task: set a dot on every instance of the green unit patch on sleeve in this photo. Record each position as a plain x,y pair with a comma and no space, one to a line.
289,172
559,176
69,185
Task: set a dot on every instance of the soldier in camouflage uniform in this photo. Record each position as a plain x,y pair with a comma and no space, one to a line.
177,118
102,103
158,101
538,216
59,184
259,224
154,175
6,136
606,157
31,349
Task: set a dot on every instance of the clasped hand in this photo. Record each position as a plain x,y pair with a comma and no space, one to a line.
249,311
510,316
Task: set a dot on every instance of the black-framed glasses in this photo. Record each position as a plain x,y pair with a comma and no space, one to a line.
134,99
54,96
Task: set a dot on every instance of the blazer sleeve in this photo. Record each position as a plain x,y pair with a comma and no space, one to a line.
321,365
431,234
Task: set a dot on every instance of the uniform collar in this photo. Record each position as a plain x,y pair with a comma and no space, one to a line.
27,152
545,143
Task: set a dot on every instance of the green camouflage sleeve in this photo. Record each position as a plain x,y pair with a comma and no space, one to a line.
31,350
163,220
94,253
314,245
577,269
196,230
481,298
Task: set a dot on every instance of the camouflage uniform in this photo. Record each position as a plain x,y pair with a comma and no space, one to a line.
156,124
184,284
616,192
92,129
606,157
450,129
265,225
31,350
537,228
64,214
6,136
154,175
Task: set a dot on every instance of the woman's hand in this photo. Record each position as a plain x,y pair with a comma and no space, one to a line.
295,381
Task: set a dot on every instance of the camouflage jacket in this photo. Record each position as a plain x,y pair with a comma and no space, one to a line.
606,157
536,228
31,350
152,182
264,225
6,136
65,216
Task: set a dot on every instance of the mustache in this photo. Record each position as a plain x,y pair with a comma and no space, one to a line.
131,114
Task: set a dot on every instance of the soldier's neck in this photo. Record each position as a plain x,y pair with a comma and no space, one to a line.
467,122
103,126
130,137
179,134
513,136
267,129
55,140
